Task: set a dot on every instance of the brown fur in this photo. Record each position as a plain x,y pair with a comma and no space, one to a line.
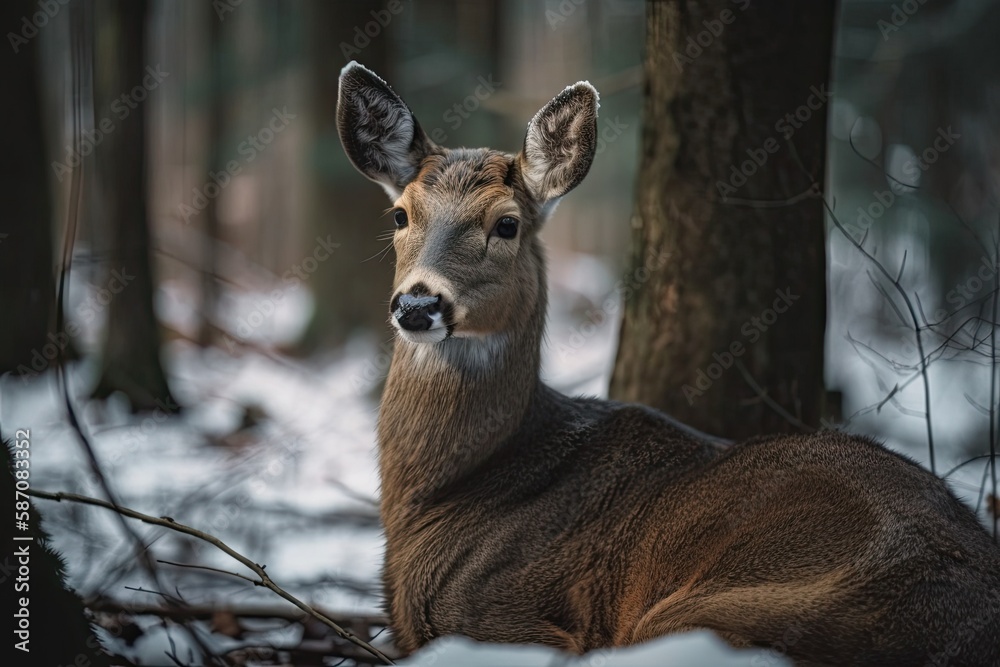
515,514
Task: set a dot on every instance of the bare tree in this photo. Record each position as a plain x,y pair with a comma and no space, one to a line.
341,207
131,356
724,323
210,217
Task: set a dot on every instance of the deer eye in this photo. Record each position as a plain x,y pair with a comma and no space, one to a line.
506,227
399,217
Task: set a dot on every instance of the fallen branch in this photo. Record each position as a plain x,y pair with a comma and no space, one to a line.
205,612
306,651
264,579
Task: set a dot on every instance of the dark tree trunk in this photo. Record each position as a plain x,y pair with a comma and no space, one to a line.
721,264
210,216
353,282
27,289
131,356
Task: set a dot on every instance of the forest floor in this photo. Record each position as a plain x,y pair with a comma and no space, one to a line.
274,455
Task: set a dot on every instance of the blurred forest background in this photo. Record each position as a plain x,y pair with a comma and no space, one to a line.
218,342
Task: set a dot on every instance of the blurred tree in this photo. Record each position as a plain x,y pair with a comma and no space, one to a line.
27,296
131,355
210,216
353,279
729,285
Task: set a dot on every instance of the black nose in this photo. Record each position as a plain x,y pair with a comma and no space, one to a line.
414,312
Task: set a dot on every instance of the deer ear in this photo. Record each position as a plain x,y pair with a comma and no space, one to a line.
380,134
560,144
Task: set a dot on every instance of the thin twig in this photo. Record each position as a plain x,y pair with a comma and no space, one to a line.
963,464
902,292
209,569
792,419
913,317
811,193
82,49
205,611
850,141
993,388
264,579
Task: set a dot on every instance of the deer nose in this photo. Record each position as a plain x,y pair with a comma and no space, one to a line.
416,313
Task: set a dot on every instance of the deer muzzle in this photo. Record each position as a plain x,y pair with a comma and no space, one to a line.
417,313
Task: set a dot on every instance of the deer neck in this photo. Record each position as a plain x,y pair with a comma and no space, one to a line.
449,406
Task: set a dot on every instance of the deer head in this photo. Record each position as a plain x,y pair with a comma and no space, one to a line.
468,260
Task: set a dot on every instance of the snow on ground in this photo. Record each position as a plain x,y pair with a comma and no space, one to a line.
277,456
693,649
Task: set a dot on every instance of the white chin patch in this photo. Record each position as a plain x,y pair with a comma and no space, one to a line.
437,333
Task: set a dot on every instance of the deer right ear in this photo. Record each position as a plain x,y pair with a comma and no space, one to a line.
560,144
380,134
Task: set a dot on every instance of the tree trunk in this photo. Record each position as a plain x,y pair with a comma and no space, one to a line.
349,286
729,282
131,356
215,100
27,295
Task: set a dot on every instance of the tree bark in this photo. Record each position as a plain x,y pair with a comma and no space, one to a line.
131,355
27,287
728,89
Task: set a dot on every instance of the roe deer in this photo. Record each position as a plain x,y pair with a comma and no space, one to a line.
516,514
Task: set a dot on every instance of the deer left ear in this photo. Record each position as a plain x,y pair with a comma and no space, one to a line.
560,144
380,134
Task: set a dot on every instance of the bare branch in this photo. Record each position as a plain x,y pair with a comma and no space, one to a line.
916,324
774,405
881,168
964,463
205,612
888,299
264,579
811,193
209,569
902,265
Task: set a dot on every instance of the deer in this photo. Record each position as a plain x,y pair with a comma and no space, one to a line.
515,514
